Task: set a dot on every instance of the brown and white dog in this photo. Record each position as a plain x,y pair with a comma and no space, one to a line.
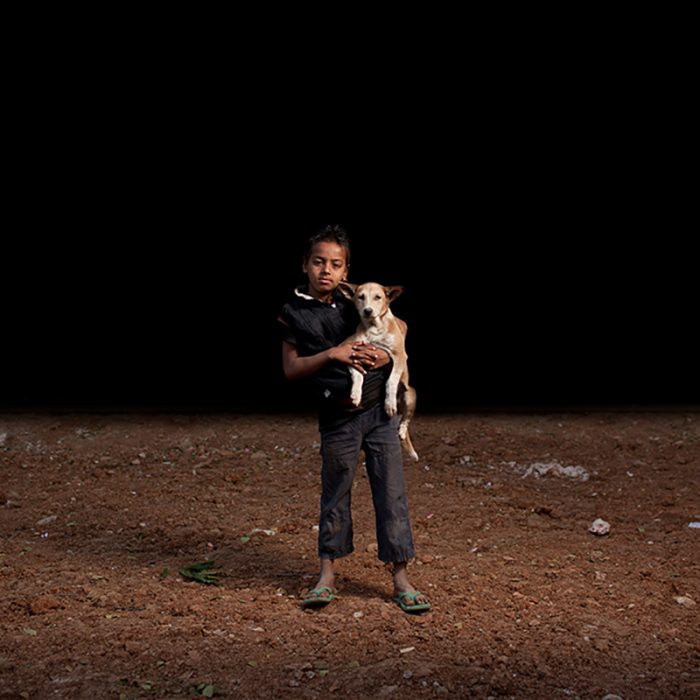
379,326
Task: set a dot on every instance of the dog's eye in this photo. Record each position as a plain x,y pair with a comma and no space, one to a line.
361,296
377,297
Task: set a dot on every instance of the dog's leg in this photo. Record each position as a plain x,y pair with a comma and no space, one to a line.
407,406
357,382
392,388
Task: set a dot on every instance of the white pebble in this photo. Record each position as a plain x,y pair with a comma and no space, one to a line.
599,527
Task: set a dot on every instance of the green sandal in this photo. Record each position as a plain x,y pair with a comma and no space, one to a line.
314,598
413,607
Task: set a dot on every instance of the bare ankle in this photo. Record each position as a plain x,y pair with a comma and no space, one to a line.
327,570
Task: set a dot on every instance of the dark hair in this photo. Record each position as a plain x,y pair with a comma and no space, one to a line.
332,234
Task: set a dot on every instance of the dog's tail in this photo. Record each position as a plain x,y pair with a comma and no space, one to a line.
409,445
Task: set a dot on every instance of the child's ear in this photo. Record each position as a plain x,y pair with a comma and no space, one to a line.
347,289
393,292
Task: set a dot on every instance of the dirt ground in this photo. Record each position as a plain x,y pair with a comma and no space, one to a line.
99,513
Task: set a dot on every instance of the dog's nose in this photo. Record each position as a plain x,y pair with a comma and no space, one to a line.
367,311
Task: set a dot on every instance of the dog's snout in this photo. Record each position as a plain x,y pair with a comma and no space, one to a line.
367,311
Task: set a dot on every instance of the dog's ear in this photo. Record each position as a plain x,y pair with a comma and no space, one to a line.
347,289
393,292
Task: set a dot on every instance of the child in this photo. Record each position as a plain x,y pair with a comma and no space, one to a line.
314,325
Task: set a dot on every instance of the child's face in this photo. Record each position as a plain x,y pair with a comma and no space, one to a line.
326,268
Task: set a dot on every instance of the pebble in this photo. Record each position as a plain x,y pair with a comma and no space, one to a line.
422,671
599,527
684,600
43,604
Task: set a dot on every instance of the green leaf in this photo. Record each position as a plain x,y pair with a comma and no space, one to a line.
245,539
208,691
201,573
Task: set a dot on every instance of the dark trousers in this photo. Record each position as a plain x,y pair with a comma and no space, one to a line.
375,432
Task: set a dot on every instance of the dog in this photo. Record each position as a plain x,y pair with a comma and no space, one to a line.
379,326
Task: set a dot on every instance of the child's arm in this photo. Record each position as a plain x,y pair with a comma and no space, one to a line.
358,356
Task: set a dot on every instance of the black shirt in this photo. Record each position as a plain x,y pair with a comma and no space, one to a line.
313,326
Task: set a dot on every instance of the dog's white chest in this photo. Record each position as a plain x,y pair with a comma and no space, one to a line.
380,338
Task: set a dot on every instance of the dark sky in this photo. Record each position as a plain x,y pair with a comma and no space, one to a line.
500,314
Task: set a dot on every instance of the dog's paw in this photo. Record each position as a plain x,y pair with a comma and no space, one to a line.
356,395
390,407
403,430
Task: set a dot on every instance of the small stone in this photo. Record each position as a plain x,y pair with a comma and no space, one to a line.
422,671
599,527
43,604
684,600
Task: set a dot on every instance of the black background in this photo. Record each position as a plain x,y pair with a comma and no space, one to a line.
172,304
152,239
530,196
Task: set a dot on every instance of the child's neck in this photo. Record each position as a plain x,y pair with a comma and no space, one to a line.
325,298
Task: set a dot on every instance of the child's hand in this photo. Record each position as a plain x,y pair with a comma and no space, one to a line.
370,355
360,356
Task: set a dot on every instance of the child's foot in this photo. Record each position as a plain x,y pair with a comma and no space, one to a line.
322,594
405,594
